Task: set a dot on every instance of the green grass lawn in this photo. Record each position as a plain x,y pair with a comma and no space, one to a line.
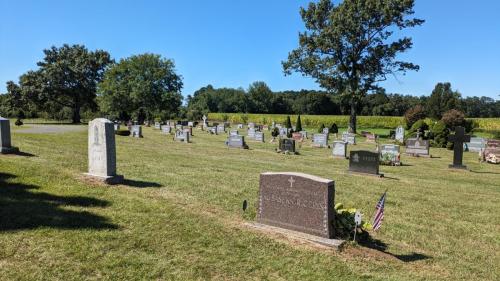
178,215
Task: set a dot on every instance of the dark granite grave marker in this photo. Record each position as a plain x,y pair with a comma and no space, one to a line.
297,202
365,162
286,145
458,140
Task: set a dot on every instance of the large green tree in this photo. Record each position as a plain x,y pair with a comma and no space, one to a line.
66,79
143,86
349,47
442,99
260,97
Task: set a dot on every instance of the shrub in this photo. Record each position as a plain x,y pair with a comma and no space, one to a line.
288,123
122,132
298,125
19,122
334,129
414,114
321,127
275,132
453,118
439,134
420,124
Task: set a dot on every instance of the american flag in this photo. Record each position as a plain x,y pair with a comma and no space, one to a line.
379,212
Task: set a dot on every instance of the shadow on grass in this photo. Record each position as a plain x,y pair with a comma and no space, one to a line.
24,154
478,172
140,184
378,245
21,208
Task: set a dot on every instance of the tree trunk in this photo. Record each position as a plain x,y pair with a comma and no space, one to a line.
76,114
352,121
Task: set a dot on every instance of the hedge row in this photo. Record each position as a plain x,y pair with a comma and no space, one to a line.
387,122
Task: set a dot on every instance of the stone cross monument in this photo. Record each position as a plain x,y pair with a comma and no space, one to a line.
458,140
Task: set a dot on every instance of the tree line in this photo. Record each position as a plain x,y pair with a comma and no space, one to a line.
259,98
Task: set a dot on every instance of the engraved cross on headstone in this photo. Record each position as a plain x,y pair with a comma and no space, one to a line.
458,140
291,181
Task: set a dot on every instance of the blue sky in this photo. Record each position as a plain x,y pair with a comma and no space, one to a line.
231,43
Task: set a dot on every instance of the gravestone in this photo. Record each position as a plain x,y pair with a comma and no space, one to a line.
240,126
458,140
234,133
205,125
213,130
390,155
476,144
251,133
304,134
320,140
236,141
339,149
117,126
157,125
349,138
190,124
251,125
298,202
259,136
286,146
6,145
179,127
400,134
136,131
182,135
297,137
102,151
365,162
371,137
326,131
417,147
221,128
166,129
283,132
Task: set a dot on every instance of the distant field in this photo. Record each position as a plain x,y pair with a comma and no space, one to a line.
387,122
178,216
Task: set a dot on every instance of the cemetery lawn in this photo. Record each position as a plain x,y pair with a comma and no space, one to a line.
178,215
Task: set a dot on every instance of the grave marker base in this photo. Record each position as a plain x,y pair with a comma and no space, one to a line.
380,175
117,179
459,167
9,150
335,244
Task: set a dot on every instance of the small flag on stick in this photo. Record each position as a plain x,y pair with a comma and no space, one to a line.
379,212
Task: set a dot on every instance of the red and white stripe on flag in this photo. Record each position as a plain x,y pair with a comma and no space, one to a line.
379,212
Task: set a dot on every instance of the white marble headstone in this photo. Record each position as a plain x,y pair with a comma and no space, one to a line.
102,151
5,141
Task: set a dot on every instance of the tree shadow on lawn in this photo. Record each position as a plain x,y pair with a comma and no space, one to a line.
378,245
22,209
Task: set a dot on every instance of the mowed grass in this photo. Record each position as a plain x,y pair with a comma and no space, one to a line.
178,215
